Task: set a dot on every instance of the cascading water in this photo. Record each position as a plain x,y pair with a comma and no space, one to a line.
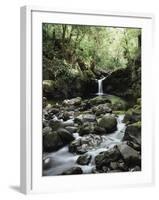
63,160
100,86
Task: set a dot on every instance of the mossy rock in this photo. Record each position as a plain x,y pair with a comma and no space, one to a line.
108,122
133,133
48,86
133,115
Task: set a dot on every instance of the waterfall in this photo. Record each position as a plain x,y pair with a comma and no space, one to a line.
100,86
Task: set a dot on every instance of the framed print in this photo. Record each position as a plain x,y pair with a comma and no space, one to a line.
86,113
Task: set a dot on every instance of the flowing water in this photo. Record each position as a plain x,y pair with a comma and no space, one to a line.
100,86
63,160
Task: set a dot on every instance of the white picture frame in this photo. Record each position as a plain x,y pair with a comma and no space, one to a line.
31,100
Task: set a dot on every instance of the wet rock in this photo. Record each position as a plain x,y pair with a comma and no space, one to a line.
118,82
105,158
55,124
119,165
44,102
133,133
48,87
75,101
99,130
54,110
65,136
108,122
67,115
86,128
85,118
130,156
135,169
45,123
71,129
74,145
47,130
73,170
47,163
84,159
68,123
85,143
52,142
133,115
99,100
101,109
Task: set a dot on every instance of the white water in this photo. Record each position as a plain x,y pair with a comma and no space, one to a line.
100,86
63,160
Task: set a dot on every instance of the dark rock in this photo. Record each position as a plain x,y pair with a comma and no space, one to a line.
75,101
133,115
48,87
54,110
52,142
73,170
47,163
99,100
136,168
86,128
85,143
74,145
108,122
118,82
44,102
130,156
55,124
119,165
101,109
84,159
65,136
133,133
85,118
105,158
99,130
71,129
47,130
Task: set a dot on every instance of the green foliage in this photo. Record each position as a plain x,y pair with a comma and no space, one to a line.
69,50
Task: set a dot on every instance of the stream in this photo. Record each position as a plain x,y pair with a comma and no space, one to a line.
63,160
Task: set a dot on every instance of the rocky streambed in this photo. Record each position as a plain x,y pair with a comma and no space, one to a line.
97,135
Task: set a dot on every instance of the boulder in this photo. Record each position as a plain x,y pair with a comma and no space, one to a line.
56,140
108,122
85,118
133,115
117,103
71,129
130,156
47,130
99,130
48,86
55,124
101,109
84,159
65,136
52,142
133,133
118,82
99,100
85,143
73,170
106,157
75,101
86,128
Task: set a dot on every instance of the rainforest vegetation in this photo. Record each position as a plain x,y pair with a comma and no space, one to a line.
91,99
